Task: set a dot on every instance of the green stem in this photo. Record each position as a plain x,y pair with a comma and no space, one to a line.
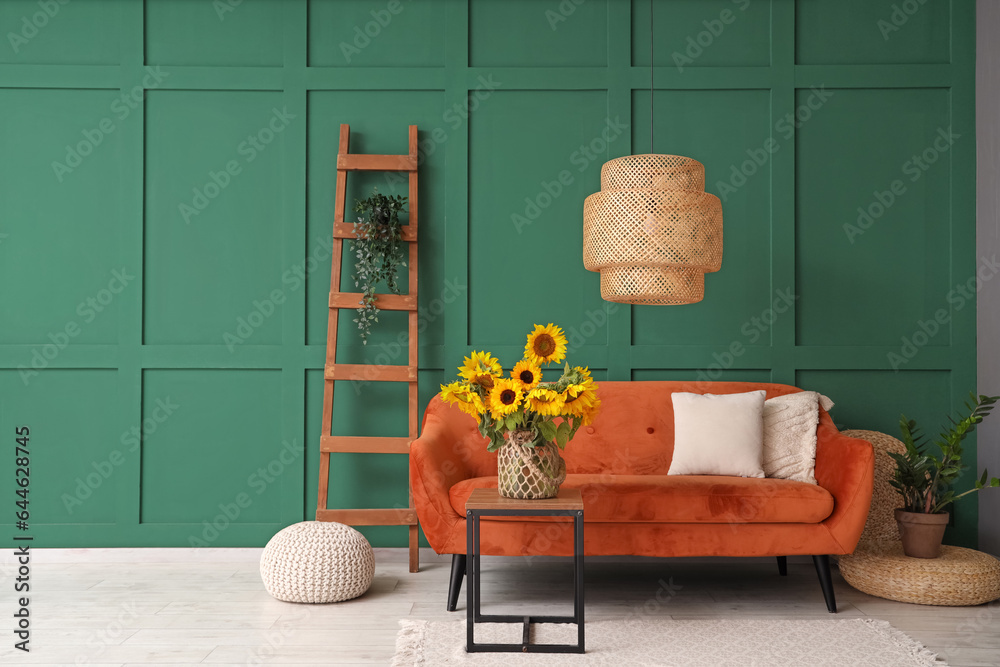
938,508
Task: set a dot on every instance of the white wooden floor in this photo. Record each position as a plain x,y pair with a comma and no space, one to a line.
180,606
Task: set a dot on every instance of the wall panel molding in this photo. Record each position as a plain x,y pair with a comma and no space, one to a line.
498,121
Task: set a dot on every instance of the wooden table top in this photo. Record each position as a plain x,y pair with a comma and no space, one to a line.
490,499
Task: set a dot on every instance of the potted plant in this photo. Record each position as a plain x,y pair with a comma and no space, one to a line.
529,421
378,250
925,480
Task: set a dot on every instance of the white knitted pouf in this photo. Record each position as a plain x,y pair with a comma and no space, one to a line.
316,561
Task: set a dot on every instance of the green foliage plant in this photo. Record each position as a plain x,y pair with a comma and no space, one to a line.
378,252
925,480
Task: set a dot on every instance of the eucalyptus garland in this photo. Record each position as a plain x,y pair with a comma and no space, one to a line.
378,249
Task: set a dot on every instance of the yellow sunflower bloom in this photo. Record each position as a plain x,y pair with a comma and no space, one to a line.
581,398
474,407
527,374
545,345
505,398
449,391
480,363
545,402
588,417
467,400
484,380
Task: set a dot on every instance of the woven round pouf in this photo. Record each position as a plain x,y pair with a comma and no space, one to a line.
959,577
316,561
881,530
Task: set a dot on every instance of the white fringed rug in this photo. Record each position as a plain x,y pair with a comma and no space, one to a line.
711,643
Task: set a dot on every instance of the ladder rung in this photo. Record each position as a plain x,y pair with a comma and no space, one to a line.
361,162
383,301
378,517
348,444
371,372
345,230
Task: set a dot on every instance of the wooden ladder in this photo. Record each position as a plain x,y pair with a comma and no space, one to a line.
334,372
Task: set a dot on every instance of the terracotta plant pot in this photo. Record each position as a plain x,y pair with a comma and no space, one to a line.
921,533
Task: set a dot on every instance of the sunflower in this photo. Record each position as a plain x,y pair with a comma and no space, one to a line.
581,397
480,363
545,344
591,413
579,381
505,398
467,400
527,374
484,380
545,401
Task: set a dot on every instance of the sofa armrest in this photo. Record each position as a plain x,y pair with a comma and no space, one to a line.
846,468
439,459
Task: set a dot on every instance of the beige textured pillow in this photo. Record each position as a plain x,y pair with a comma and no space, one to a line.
790,435
718,434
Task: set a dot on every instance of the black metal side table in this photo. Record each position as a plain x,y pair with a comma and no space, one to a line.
488,502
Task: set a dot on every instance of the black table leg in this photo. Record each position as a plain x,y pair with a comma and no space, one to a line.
477,580
473,589
578,577
472,574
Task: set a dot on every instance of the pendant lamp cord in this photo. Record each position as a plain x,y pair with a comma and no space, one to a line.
651,76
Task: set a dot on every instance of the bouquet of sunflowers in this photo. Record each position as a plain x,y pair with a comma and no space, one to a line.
550,411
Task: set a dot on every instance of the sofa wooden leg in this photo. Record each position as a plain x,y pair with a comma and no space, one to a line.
457,574
783,566
822,564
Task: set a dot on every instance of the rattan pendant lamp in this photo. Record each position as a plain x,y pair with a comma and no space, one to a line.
652,231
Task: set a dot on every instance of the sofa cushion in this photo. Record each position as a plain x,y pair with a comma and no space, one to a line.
682,499
790,435
718,434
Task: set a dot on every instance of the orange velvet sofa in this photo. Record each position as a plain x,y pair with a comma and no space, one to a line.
632,507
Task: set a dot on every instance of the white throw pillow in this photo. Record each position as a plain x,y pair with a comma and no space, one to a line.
790,435
718,434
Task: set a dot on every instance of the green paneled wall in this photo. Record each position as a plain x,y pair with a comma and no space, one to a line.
167,199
